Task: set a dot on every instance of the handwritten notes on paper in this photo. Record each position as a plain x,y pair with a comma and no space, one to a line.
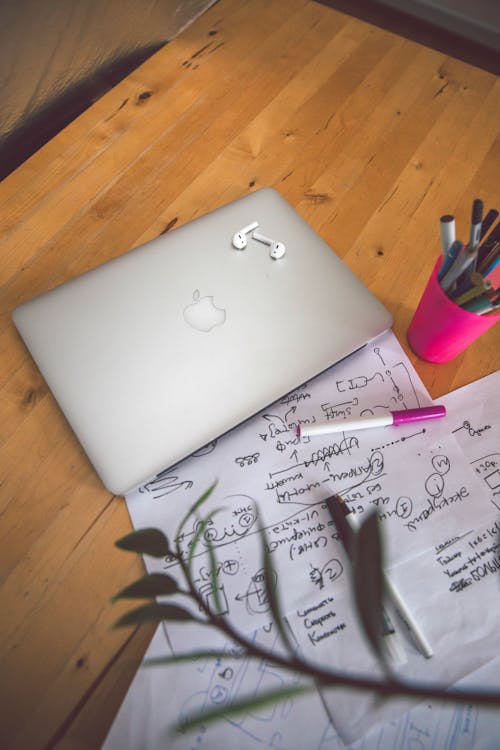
151,708
413,476
451,586
475,410
470,557
426,496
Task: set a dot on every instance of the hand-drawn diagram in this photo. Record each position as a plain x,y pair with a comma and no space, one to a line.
488,469
256,597
290,478
327,574
225,680
478,434
300,723
165,483
216,601
416,480
243,461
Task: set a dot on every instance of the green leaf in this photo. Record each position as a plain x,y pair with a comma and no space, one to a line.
213,578
189,656
369,581
155,613
271,589
236,708
202,525
151,542
195,506
154,584
344,530
199,531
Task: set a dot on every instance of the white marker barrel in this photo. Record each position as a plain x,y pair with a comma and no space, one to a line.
347,425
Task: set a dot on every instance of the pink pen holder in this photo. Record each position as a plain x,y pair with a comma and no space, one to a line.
440,329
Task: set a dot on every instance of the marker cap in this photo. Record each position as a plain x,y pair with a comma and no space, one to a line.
416,415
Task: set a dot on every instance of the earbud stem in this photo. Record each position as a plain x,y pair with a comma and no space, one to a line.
261,238
249,228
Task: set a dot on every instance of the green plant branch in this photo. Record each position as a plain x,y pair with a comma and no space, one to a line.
154,542
239,706
333,678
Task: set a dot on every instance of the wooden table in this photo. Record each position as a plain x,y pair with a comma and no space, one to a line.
371,137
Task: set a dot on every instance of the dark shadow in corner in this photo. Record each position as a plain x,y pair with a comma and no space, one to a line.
421,31
18,146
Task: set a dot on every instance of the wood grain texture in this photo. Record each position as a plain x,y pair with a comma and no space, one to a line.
370,136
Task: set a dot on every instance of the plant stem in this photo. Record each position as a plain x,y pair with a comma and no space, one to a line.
332,678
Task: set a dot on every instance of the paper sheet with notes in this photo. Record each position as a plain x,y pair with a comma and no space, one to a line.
438,513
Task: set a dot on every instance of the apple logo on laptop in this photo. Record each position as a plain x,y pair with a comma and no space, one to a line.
202,314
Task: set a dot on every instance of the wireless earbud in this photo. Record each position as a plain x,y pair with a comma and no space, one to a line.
277,250
239,239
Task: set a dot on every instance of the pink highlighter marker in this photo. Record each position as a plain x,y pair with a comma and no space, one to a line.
393,418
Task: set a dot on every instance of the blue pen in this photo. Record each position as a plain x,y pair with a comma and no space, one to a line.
450,258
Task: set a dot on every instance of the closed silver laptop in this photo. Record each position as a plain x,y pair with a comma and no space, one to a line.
160,351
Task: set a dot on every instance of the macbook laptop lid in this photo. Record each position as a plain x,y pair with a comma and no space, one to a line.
161,350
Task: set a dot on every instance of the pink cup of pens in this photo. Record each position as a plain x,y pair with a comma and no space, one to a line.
460,301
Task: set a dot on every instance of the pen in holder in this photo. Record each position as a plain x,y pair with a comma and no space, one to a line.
440,329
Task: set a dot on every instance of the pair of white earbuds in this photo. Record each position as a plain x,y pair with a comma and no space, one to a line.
277,250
